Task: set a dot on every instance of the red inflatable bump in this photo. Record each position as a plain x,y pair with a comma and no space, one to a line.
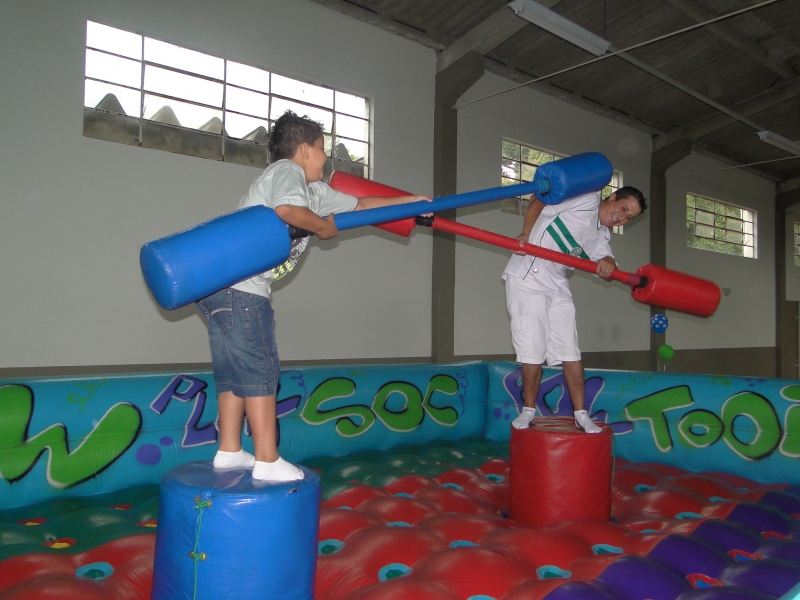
534,590
354,497
450,500
594,532
404,588
671,503
663,469
628,478
473,571
395,509
375,548
496,466
43,576
339,524
410,484
703,486
538,547
470,528
475,482
737,481
559,472
678,291
665,526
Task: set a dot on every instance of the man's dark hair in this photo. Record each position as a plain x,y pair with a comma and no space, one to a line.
289,132
629,191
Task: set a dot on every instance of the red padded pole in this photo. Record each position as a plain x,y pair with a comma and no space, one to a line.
559,472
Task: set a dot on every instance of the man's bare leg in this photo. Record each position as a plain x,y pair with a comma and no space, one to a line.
574,376
531,378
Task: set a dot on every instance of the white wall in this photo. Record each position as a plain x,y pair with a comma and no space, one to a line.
608,319
75,210
746,317
792,270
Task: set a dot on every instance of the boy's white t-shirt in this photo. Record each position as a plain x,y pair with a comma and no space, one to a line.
284,182
572,227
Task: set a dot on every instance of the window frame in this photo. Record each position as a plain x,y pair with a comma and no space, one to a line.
254,142
518,205
717,213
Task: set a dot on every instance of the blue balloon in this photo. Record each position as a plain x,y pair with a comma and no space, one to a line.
659,323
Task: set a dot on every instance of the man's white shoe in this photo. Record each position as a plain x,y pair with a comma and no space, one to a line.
585,422
523,421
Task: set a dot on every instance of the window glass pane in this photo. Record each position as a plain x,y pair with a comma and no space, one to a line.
719,209
353,128
734,224
735,237
704,204
505,181
174,112
95,92
352,105
510,168
299,90
239,126
704,217
113,40
246,101
747,215
179,85
690,214
748,251
528,172
704,231
113,68
280,106
351,150
183,58
747,227
510,150
733,211
249,77
690,200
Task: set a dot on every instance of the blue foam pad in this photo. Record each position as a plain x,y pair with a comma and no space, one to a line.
574,176
190,265
255,540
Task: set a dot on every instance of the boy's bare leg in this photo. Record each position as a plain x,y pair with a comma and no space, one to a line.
231,413
261,415
574,376
531,378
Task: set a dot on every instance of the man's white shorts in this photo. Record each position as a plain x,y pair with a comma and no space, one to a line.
542,325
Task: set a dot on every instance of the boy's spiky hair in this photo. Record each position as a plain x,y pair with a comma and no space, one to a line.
289,132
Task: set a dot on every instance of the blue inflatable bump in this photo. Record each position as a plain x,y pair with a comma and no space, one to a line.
190,265
574,176
221,534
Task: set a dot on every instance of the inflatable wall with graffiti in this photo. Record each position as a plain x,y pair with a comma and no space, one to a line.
706,489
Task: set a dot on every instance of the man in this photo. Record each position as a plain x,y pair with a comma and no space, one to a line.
537,292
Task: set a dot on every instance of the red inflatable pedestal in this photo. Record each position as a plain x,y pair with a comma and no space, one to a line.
559,472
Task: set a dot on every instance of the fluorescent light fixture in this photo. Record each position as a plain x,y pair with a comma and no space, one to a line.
780,142
556,24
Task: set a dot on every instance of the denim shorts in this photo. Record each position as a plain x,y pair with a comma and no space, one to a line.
244,355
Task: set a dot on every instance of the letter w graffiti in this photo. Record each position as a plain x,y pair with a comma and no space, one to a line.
110,438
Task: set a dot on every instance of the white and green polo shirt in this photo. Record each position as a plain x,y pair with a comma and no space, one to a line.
571,227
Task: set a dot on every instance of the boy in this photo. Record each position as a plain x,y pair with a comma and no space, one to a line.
537,292
240,318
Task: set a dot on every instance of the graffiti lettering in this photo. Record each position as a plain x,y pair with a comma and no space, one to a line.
114,433
194,434
85,386
398,405
758,409
652,408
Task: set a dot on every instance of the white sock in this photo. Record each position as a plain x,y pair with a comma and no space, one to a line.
523,421
280,470
234,460
583,421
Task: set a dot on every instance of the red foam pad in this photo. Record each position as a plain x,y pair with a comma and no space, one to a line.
678,291
559,472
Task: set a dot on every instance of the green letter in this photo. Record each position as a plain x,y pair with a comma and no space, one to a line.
111,437
412,414
447,416
700,418
762,414
345,425
652,408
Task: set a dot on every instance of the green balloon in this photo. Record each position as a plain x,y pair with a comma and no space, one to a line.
666,352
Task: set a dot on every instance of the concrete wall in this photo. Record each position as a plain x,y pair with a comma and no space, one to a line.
746,317
75,210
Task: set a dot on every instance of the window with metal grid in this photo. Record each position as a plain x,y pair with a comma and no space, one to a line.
720,227
797,244
147,92
519,163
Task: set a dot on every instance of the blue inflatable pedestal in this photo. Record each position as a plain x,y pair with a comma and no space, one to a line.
222,534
